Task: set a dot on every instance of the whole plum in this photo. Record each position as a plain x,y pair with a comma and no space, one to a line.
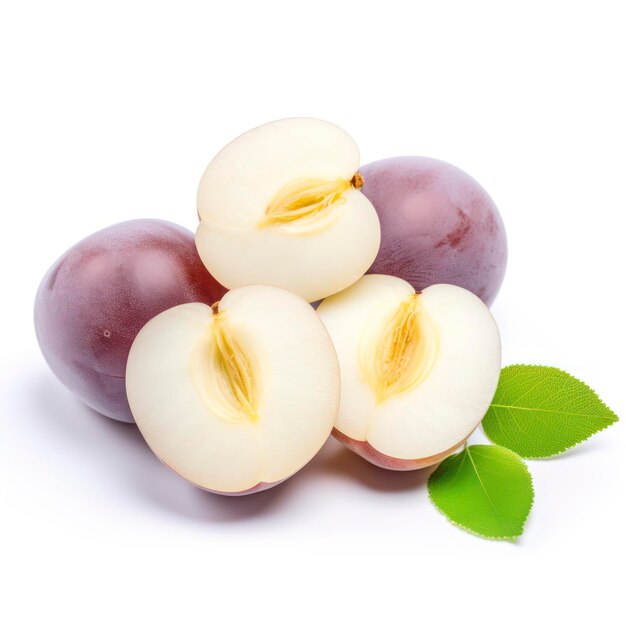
438,225
96,297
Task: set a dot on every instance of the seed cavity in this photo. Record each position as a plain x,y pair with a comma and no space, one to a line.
399,354
232,390
306,203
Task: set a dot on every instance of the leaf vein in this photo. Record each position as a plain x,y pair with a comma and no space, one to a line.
469,454
609,418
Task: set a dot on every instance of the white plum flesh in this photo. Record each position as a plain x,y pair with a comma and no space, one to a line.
281,205
418,370
239,396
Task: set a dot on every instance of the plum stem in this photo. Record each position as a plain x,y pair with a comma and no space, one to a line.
357,181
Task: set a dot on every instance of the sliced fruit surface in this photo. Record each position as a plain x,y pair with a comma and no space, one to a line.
281,205
418,370
239,395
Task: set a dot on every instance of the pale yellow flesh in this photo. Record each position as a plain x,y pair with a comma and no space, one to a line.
231,380
243,396
305,204
418,370
399,354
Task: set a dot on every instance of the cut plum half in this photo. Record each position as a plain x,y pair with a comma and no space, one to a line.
239,396
281,205
418,370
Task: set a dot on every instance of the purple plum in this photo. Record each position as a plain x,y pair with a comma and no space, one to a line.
438,225
95,299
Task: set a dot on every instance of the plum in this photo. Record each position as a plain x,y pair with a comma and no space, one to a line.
418,370
280,205
96,297
438,225
256,379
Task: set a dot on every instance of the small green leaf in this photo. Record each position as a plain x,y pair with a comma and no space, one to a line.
541,411
484,489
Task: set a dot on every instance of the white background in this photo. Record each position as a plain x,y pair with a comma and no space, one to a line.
111,110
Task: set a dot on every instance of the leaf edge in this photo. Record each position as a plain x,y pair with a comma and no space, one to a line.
507,538
566,448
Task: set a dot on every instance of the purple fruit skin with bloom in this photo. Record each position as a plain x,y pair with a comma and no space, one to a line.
438,225
96,297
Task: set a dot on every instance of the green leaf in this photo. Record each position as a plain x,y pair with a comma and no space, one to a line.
484,489
541,411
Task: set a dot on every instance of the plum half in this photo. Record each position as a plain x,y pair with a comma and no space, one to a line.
239,396
418,370
281,205
96,297
438,225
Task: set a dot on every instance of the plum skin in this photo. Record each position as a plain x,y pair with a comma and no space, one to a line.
247,492
97,296
438,225
373,456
